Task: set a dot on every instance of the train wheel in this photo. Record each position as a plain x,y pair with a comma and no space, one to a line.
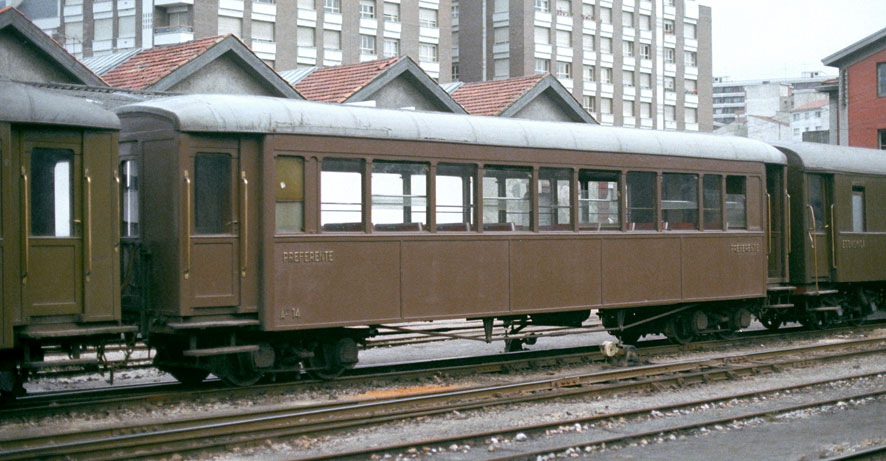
240,371
678,330
185,375
769,319
853,316
332,358
818,320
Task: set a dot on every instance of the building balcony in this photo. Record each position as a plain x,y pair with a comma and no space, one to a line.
168,3
264,47
264,8
171,35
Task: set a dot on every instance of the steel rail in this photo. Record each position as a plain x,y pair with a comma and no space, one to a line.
179,436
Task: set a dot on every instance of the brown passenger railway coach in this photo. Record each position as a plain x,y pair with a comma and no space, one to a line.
281,232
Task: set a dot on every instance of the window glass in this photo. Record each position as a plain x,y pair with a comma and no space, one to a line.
51,192
290,206
427,17
606,15
881,79
712,190
367,9
392,47
212,194
542,35
506,199
455,197
332,6
679,201
564,38
129,201
641,200
858,217
341,195
555,199
392,12
332,39
305,36
598,203
399,196
736,209
263,31
367,44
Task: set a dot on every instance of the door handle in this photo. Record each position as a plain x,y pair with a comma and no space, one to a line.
244,214
187,225
833,239
88,223
26,207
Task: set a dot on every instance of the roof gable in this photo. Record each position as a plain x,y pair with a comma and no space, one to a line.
12,20
509,97
162,68
367,80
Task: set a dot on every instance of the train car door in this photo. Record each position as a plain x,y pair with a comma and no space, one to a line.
215,188
776,197
51,178
819,225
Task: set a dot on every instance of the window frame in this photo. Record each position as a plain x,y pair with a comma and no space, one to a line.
881,80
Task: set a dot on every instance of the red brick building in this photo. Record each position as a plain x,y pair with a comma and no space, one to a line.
861,101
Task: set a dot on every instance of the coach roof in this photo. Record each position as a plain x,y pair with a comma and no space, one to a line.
834,159
255,114
23,103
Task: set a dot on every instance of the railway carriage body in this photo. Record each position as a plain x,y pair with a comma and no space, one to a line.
58,227
279,228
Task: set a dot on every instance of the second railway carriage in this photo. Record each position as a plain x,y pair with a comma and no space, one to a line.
281,232
838,234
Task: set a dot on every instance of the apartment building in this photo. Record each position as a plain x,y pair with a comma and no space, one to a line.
638,63
285,34
735,99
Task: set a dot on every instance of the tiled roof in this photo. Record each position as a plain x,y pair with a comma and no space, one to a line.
493,97
150,66
337,84
811,105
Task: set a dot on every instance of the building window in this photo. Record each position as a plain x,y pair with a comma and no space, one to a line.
605,105
645,80
670,2
606,15
542,66
229,25
587,12
645,22
455,11
587,43
392,12
691,86
668,26
606,45
262,31
670,113
627,19
455,71
645,51
332,6
502,68
587,102
628,48
564,38
588,74
670,84
606,75
427,18
881,79
543,6
669,56
691,115
126,27
645,110
306,4
882,135
564,69
627,78
367,45
392,47
690,58
501,6
427,52
689,31
332,40
306,36
542,35
104,29
627,108
501,35
367,9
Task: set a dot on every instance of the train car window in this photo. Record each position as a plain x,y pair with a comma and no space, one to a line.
736,206
129,199
52,192
859,223
212,194
598,203
290,201
506,199
399,196
712,190
641,200
679,201
455,197
554,199
341,195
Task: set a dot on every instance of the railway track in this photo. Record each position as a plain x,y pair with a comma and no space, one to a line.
204,433
56,402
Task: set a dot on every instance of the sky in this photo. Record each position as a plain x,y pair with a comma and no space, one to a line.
761,39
